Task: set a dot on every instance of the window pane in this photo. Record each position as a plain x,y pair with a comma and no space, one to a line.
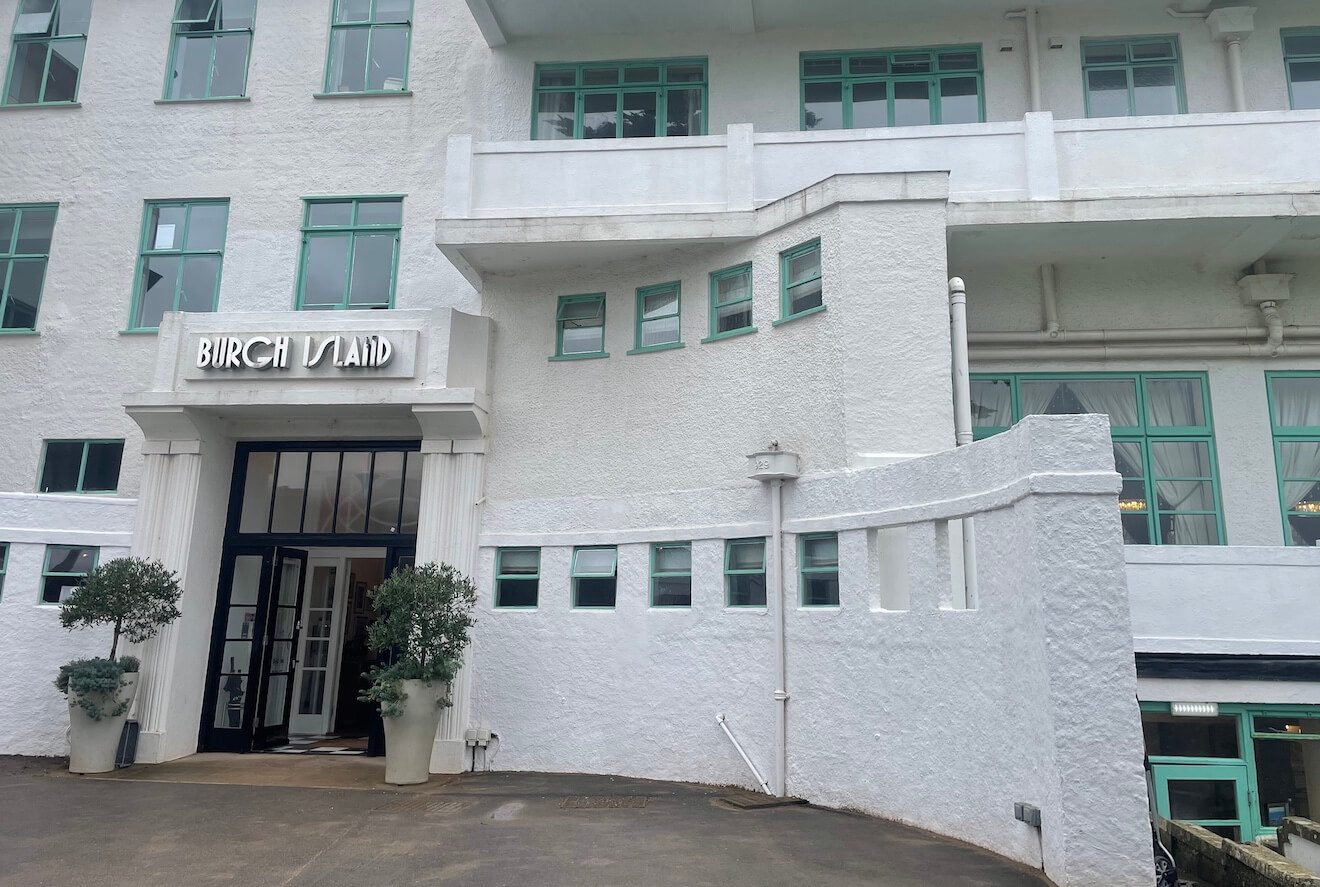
958,61
600,115
558,78
598,561
869,64
386,486
322,481
648,74
822,67
959,102
1192,799
393,10
290,483
102,471
354,475
524,561
803,266
352,11
165,228
639,115
662,331
1175,403
1305,77
912,63
992,403
64,559
206,226
1116,398
516,592
8,219
733,317
659,304
192,67
685,73
160,280
580,310
824,106
747,555
229,75
380,212
747,590
817,553
870,105
600,76
1185,495
1189,529
24,293
1105,53
554,115
1304,529
1154,90
74,17
684,113
734,287
412,492
348,59
804,297
26,70
257,488
1155,49
1127,459
389,59
594,592
34,17
62,466
373,270
1107,93
1136,529
583,336
1301,44
34,231
236,13
673,558
330,213
1180,458
912,103
820,589
325,271
201,275
672,591
66,57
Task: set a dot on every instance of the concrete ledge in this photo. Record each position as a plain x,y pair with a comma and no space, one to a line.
1299,841
1202,854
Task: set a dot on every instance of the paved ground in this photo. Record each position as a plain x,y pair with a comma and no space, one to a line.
472,831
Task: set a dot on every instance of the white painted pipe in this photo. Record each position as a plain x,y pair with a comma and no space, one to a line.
1153,351
775,579
1049,299
757,773
1033,53
1236,82
962,418
1133,337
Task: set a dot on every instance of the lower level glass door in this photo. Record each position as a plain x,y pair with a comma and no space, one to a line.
1213,796
280,639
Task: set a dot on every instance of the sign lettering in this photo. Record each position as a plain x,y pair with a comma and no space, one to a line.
273,352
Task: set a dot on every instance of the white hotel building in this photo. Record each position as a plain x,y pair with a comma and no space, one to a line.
565,265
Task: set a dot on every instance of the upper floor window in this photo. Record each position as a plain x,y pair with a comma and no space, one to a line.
1295,417
25,234
580,327
1301,56
182,248
1132,77
1163,442
904,87
81,466
212,44
350,252
65,569
610,100
731,302
659,318
369,42
46,63
517,577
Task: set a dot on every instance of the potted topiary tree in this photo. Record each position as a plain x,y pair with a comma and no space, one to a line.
136,597
424,615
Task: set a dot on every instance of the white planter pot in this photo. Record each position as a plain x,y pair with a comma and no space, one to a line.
93,744
410,737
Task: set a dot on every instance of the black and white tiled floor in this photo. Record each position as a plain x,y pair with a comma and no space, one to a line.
317,745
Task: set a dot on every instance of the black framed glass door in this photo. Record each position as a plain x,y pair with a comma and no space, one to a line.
279,643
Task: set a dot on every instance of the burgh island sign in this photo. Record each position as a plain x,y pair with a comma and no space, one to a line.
276,352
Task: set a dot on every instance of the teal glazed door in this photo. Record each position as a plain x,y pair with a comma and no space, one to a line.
279,643
1213,796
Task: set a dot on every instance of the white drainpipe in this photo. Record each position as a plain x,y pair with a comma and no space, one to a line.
1236,82
962,417
1049,299
1031,14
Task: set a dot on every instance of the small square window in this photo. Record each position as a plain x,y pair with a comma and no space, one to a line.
819,567
671,574
595,577
659,317
81,466
580,327
801,285
517,577
66,567
731,301
744,572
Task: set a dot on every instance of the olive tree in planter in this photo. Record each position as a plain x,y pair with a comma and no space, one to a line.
136,597
424,615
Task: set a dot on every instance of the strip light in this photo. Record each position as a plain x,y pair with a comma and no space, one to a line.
1194,709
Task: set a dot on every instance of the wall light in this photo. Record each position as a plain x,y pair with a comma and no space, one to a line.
1194,709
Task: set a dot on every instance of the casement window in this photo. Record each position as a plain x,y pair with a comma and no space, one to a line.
211,48
517,577
45,65
731,302
1301,58
350,252
1132,77
800,285
580,327
671,574
81,466
1295,418
369,43
902,87
25,234
4,565
66,567
1164,444
744,572
659,318
818,564
595,576
608,100
180,254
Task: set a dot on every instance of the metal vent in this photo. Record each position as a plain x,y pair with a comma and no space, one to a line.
419,804
603,802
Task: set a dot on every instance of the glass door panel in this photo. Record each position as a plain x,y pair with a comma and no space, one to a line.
312,704
281,639
237,643
1213,796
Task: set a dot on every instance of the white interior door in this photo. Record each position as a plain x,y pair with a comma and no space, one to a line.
318,659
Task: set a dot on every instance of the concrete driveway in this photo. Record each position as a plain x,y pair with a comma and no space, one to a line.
480,830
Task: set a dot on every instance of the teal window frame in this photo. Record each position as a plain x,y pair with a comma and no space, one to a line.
1292,434
730,572
805,572
502,575
47,574
353,230
372,27
87,444
183,32
580,89
787,284
934,77
51,38
9,256
147,251
640,318
1130,65
659,576
4,567
612,574
562,323
1144,433
1289,59
716,278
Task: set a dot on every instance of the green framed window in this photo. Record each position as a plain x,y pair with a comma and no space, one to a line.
731,302
4,565
1133,77
744,572
81,466
350,252
595,576
580,327
892,87
1163,435
1301,59
65,568
25,235
818,564
517,578
1295,419
179,259
800,285
369,45
659,318
45,64
671,574
627,99
210,50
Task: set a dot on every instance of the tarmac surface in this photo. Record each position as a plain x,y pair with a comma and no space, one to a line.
253,820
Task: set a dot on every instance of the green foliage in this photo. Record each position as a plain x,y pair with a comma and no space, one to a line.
134,595
94,685
424,618
130,664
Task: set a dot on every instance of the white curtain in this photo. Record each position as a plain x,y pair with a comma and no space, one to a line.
1297,405
1178,403
992,403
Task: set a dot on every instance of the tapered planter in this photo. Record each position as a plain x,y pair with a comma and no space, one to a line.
93,744
410,738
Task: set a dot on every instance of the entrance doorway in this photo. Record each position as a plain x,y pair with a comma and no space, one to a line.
312,529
